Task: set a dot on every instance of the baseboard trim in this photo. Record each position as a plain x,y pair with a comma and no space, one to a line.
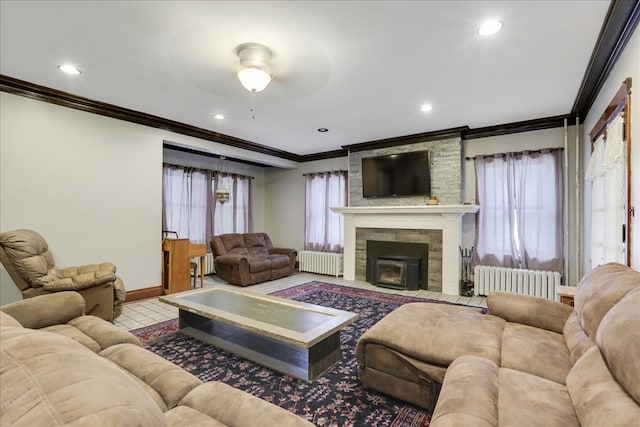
138,294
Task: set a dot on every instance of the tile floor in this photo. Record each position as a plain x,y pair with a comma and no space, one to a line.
147,312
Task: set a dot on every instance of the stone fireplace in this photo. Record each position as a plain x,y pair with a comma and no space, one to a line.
446,220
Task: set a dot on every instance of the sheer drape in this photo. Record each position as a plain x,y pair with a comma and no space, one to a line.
606,170
235,215
186,198
520,217
190,209
324,229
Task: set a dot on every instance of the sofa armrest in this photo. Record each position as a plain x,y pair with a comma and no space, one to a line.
80,281
46,310
528,310
283,251
234,407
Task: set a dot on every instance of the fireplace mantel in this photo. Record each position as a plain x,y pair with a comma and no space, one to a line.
447,218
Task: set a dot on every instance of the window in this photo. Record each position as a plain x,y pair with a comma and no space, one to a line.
190,209
610,174
520,217
324,229
233,216
185,198
607,172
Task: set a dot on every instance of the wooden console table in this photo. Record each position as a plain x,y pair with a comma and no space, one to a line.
176,260
566,294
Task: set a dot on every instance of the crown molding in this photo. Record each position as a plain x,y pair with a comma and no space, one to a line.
517,127
408,139
619,24
65,99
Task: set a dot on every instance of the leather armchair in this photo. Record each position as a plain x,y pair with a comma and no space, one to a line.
250,258
26,256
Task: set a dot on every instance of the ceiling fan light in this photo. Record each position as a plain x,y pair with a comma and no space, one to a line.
254,79
490,27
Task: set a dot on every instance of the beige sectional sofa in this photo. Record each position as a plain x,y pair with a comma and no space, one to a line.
60,367
529,362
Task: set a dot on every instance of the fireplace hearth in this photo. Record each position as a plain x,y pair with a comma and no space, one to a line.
397,265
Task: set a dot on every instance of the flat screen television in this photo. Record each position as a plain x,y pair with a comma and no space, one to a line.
394,175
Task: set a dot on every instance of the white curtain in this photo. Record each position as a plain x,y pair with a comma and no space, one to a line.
607,173
186,193
520,217
234,215
324,229
190,210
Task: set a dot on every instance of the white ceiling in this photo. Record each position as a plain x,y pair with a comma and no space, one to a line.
362,69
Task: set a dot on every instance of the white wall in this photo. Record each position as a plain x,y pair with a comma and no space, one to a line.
285,200
91,185
628,65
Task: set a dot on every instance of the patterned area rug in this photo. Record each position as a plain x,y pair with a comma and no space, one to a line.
336,398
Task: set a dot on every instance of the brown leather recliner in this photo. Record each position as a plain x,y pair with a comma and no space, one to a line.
250,258
26,256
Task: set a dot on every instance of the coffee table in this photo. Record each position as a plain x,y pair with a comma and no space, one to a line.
292,337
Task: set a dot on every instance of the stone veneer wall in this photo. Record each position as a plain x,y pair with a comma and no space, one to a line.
446,173
431,237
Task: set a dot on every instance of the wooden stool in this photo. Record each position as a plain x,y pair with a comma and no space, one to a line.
194,272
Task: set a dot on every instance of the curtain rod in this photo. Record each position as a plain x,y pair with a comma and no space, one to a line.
318,173
193,168
515,152
602,128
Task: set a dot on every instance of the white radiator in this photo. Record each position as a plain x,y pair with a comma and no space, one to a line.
321,262
527,282
208,263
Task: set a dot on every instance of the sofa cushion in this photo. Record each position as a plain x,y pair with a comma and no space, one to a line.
164,381
49,379
535,351
577,340
597,398
6,320
234,407
279,261
469,395
522,397
182,416
600,290
256,244
477,392
257,264
94,333
233,244
445,331
618,338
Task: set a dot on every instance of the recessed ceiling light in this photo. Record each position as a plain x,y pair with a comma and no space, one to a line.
490,27
426,107
218,117
69,69
323,130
